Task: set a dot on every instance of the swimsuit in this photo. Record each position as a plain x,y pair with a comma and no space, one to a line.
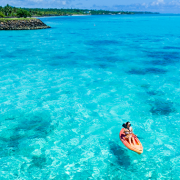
130,131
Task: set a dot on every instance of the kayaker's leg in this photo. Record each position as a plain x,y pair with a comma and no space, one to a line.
129,138
133,140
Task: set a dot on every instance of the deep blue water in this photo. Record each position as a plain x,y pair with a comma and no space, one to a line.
65,92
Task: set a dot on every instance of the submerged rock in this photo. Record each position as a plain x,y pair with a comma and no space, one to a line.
19,24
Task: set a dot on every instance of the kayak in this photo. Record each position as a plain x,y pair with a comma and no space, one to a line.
137,147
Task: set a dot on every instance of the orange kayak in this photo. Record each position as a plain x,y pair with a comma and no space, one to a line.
137,147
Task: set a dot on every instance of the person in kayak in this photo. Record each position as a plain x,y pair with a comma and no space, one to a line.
128,132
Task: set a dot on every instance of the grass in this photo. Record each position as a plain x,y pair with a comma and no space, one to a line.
17,19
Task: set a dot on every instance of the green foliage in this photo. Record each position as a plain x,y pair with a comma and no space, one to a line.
8,10
23,13
1,14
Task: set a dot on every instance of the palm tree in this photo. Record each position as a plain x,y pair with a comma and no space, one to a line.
8,10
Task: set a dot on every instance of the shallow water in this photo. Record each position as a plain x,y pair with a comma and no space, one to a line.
65,92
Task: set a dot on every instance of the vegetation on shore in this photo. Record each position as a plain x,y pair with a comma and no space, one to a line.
9,11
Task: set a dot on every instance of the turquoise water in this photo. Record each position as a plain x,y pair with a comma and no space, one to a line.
65,92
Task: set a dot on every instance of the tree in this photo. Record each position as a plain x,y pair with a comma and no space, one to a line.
14,10
23,13
1,14
8,10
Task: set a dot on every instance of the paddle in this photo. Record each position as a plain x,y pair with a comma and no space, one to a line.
139,137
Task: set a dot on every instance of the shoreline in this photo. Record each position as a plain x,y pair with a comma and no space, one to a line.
77,15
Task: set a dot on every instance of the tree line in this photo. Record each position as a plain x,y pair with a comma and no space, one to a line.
9,11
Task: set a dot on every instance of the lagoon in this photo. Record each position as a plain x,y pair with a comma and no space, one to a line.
66,91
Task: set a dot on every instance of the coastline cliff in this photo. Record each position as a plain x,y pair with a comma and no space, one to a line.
22,24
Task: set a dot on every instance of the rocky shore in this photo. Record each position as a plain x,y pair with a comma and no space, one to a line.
22,24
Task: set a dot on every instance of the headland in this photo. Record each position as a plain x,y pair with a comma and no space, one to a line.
21,24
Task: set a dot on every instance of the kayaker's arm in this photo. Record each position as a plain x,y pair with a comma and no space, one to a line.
132,131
